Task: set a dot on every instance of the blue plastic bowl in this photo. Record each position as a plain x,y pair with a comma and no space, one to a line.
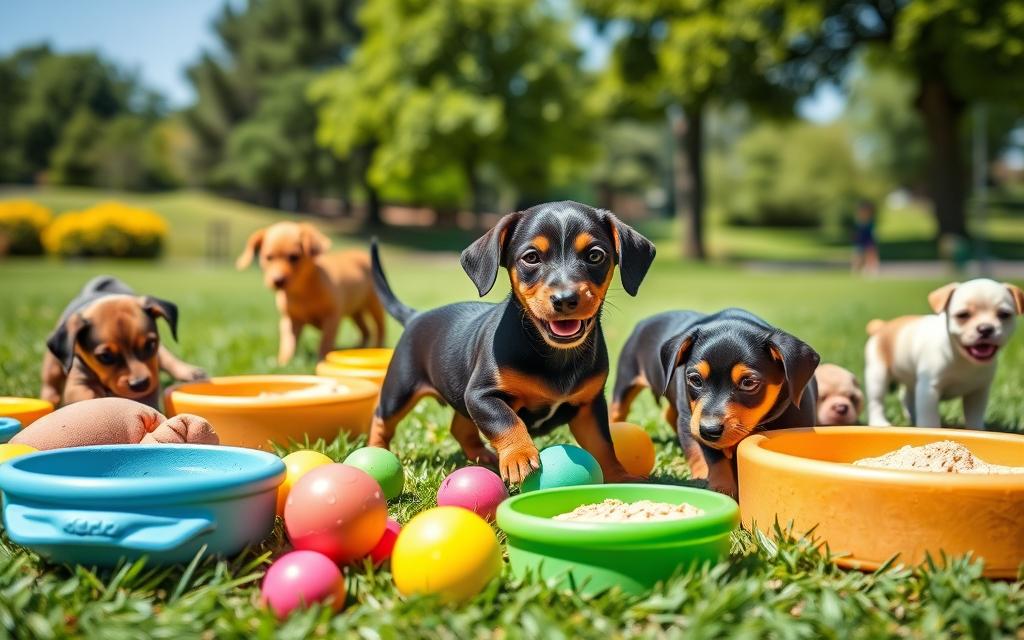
9,427
97,505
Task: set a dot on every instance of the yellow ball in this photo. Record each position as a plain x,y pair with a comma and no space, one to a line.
447,551
298,464
11,450
633,448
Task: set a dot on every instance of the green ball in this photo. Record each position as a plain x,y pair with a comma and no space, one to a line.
383,466
563,465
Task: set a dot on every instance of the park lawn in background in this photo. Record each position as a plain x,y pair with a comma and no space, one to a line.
771,586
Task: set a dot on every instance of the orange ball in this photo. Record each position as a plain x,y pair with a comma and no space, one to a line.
297,464
633,448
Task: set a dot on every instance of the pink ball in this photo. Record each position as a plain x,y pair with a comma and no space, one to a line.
382,551
301,578
473,488
337,510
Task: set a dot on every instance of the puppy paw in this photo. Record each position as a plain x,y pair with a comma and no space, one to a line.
188,373
483,456
183,429
623,477
515,465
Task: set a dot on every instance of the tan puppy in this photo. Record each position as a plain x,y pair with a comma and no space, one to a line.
314,288
839,396
951,354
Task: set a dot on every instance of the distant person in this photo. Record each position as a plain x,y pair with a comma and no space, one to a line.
865,259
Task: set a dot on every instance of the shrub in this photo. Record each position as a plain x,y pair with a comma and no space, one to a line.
22,223
109,229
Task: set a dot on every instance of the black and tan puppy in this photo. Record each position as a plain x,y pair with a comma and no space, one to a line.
532,362
106,344
724,375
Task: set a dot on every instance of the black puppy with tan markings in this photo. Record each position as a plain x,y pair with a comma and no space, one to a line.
724,375
532,362
106,344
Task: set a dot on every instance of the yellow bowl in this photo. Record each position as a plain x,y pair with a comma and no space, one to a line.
25,410
367,364
252,411
870,515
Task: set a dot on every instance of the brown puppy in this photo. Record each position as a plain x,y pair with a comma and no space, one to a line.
106,344
314,288
840,399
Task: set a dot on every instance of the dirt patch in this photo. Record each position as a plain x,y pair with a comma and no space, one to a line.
944,456
612,510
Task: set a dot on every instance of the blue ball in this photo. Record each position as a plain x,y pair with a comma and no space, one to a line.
563,465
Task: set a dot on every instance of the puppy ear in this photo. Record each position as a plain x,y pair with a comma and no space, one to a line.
251,250
1018,296
314,242
633,253
481,259
157,307
62,341
798,360
674,352
939,298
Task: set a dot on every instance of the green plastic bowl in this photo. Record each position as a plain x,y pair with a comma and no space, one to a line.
592,557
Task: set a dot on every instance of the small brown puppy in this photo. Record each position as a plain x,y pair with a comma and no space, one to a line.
314,288
840,399
106,344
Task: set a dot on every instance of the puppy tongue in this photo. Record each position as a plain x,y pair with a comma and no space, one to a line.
982,350
565,328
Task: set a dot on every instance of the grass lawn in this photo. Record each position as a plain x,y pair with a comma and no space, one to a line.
769,587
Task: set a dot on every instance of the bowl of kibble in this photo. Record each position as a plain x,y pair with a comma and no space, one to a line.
594,537
875,493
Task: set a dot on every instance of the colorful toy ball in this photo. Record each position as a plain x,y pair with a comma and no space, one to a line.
337,510
298,464
446,551
563,465
301,578
383,466
382,552
633,448
475,488
9,451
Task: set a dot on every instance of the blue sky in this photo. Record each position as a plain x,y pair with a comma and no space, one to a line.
158,39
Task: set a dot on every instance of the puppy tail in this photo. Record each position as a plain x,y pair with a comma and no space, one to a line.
875,326
394,306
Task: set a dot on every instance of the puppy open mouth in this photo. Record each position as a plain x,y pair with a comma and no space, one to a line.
982,351
566,331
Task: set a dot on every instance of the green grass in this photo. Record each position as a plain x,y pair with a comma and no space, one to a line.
780,587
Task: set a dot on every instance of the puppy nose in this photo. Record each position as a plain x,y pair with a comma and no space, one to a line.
842,409
279,282
711,431
565,301
138,384
985,330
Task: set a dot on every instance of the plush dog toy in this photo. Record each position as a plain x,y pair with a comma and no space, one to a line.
113,421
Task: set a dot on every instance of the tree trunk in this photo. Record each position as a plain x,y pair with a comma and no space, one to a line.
942,113
373,217
688,177
476,193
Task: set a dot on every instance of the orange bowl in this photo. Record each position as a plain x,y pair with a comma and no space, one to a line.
25,410
367,364
870,515
252,411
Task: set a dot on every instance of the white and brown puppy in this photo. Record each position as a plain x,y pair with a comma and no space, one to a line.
951,354
840,399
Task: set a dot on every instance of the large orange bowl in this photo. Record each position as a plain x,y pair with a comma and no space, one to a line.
870,515
24,410
252,411
367,364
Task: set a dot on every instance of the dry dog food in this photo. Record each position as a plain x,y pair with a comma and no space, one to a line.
612,510
944,456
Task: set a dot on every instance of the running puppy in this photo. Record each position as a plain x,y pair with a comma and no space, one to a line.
532,362
950,354
840,399
724,375
106,344
314,288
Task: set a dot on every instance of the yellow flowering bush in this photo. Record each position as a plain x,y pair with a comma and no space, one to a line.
109,229
22,223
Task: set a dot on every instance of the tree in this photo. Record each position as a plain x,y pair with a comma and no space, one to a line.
443,92
676,59
959,52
